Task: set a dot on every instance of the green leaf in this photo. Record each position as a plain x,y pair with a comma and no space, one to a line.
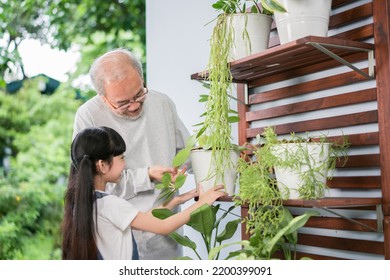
233,119
242,254
215,251
191,141
300,221
218,5
292,237
229,231
224,214
198,124
254,9
201,131
168,196
180,180
184,258
293,225
203,219
203,98
215,209
162,213
160,186
183,240
181,157
166,192
166,179
273,6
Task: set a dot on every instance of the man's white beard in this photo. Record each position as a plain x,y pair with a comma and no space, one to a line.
134,118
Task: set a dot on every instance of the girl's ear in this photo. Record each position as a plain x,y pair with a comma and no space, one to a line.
101,166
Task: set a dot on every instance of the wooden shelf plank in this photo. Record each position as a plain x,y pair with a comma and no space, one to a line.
295,54
331,202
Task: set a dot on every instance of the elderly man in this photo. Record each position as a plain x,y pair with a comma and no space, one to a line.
152,130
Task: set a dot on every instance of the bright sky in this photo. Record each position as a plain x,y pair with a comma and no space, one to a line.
40,59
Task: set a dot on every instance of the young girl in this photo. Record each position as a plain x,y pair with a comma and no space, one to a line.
97,225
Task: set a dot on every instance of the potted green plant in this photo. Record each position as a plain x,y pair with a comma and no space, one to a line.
309,160
218,115
247,30
203,167
262,191
280,243
204,221
259,193
304,18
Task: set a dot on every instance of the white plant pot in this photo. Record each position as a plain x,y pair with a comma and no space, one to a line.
292,179
202,167
258,28
303,18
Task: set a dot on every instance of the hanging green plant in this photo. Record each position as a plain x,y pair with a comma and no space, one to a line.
219,116
261,191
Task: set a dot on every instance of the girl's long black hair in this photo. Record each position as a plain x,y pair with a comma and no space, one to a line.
89,146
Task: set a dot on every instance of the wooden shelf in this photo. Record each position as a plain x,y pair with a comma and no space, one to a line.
316,54
329,202
310,50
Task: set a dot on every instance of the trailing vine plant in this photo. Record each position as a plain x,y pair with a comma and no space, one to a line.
260,191
219,116
302,160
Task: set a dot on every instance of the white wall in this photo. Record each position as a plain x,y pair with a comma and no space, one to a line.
177,46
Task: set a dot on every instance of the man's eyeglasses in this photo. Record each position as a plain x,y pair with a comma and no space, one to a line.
140,97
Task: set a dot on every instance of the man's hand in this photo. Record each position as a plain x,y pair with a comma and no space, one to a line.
179,172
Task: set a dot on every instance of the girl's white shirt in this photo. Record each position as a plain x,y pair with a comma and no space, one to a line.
114,235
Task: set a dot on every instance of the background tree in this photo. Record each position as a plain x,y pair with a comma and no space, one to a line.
32,184
36,129
63,23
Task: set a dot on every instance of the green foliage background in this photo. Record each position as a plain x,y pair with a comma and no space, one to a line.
36,129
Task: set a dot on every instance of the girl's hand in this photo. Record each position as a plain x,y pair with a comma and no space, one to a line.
157,172
212,194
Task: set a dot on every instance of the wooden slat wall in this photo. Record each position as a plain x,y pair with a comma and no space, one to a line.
381,10
351,106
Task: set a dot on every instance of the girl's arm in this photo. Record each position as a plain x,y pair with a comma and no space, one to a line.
147,222
180,199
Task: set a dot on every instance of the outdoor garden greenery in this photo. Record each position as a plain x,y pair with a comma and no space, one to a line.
66,23
36,131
